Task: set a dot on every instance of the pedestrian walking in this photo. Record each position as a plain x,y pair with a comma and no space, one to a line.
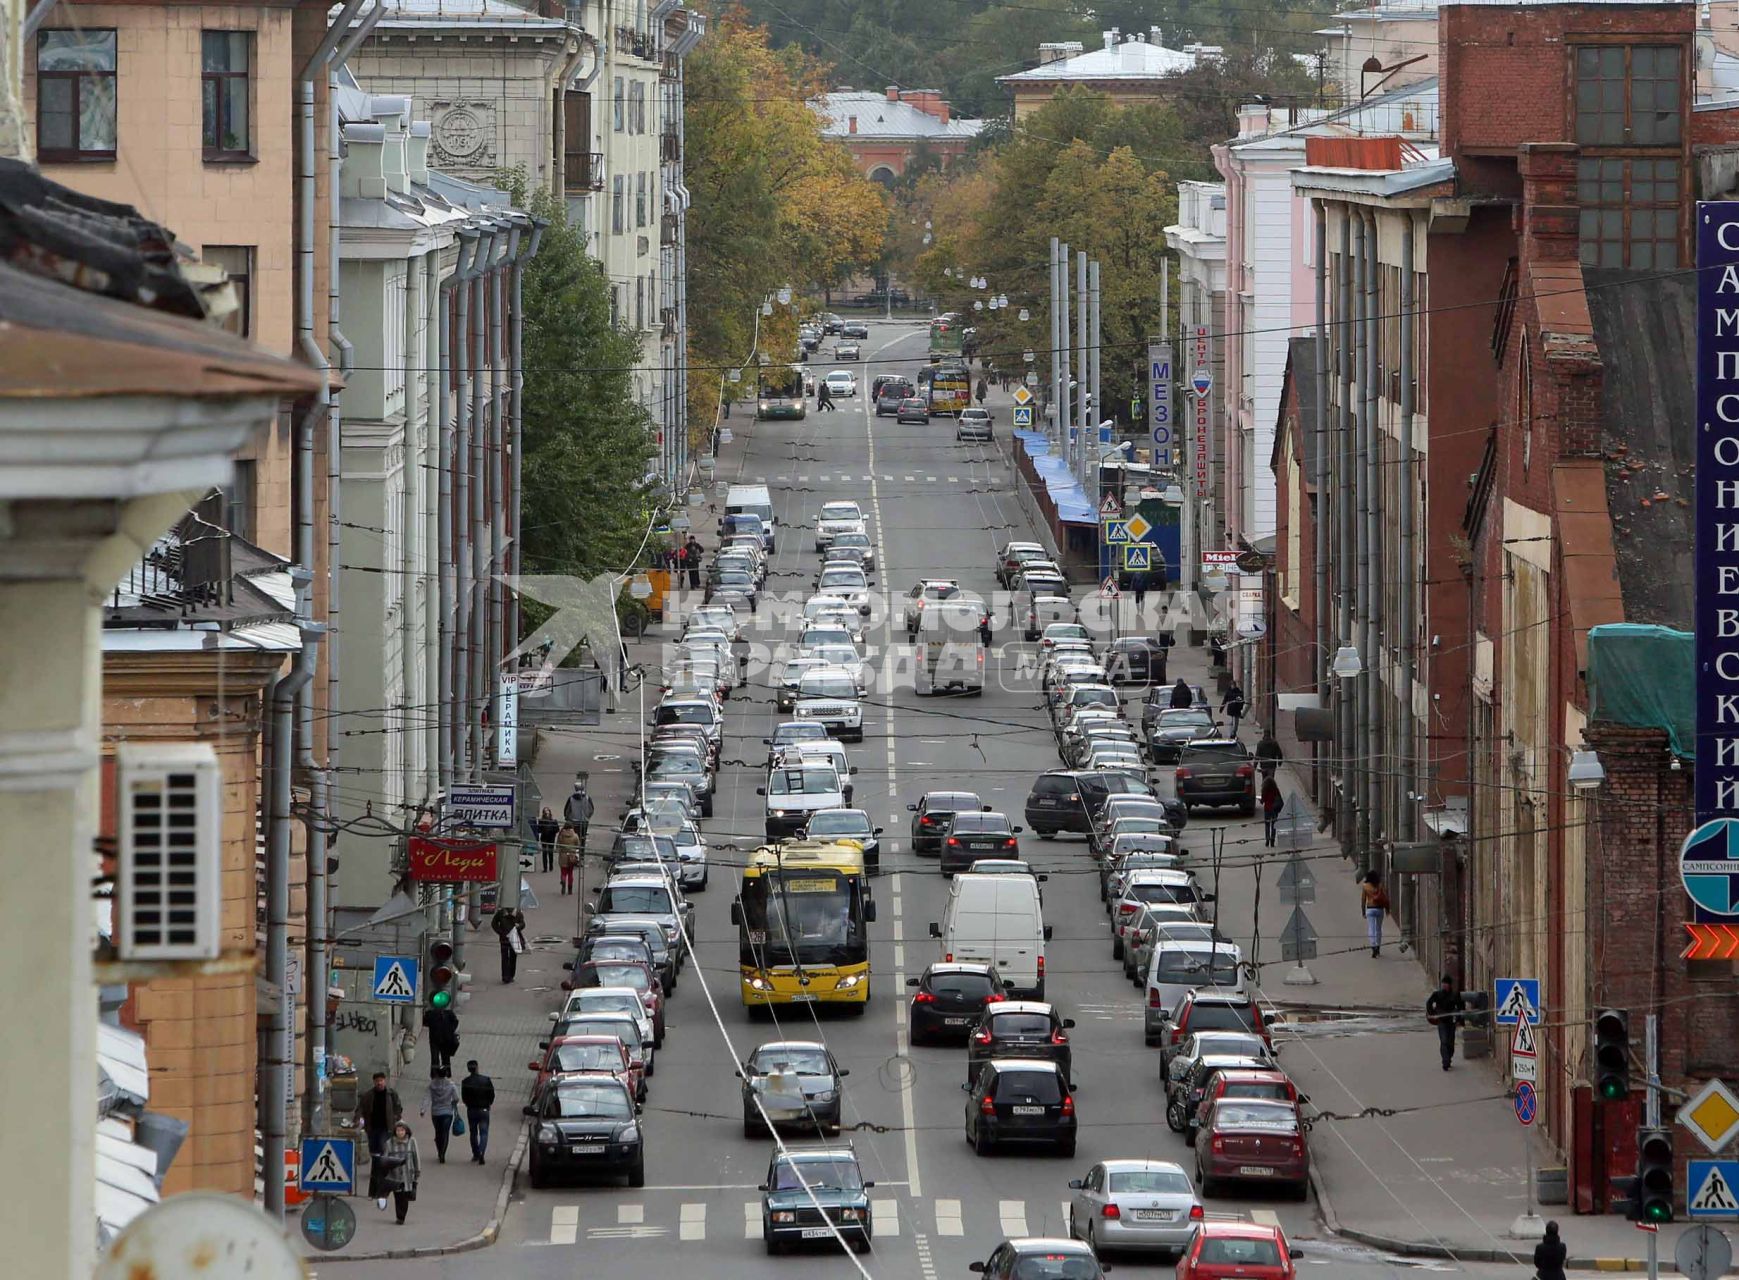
1443,1010
441,1102
477,1092
983,389
1375,901
823,397
404,1169
545,826
1550,1255
1268,753
1272,803
376,1112
1138,585
1233,705
578,809
509,926
692,552
568,854
1182,696
443,1028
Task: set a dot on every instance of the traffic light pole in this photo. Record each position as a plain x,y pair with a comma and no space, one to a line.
1651,1110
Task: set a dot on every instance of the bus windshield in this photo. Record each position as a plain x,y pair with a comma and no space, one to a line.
803,917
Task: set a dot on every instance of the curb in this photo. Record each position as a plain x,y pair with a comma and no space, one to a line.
1426,1249
480,1240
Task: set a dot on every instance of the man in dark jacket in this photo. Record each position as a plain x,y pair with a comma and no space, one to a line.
544,827
443,1028
1268,753
578,810
1443,1009
377,1111
1233,706
509,926
692,552
1182,696
477,1092
1550,1255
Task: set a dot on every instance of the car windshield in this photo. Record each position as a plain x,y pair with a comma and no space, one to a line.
627,1030
1181,717
805,1062
1242,1253
635,899
1055,1266
1158,1181
576,1101
949,801
803,782
851,540
799,732
618,949
837,655
587,1057
687,713
831,1175
839,822
848,579
817,637
829,686
1007,1026
607,1002
622,975
674,765
1219,1017
971,985
1142,826
840,510
735,578
1193,967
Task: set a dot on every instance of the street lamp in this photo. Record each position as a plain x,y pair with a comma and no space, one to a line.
977,306
1001,300
785,296
1346,663
1586,771
1025,314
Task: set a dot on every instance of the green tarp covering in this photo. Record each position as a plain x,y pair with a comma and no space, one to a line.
1645,677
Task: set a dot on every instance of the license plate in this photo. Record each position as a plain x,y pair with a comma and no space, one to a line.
1047,804
803,998
816,1233
1254,1171
1028,1111
955,1022
588,1149
1153,1215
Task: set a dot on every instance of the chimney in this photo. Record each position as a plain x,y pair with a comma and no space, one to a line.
361,173
942,110
1153,35
392,114
417,153
851,124
1551,230
893,93
1110,38
1252,119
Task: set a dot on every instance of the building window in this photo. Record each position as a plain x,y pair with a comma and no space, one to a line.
75,95
1629,212
1628,96
239,497
637,108
640,199
224,68
618,198
237,260
615,305
619,105
639,303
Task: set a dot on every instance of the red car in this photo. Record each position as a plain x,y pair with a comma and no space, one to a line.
624,973
1272,1086
1251,1139
570,1055
1237,1251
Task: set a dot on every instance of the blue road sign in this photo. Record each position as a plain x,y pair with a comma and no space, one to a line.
1117,533
395,979
1023,415
1511,997
1137,555
1527,1103
1709,867
1712,1188
328,1164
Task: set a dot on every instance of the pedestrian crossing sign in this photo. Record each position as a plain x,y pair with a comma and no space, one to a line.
1712,1184
327,1164
395,979
1116,533
1137,555
1023,414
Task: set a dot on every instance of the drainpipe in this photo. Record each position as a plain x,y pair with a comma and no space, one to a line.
500,392
462,472
1319,478
1362,553
1372,747
1407,630
516,415
1343,506
479,466
445,433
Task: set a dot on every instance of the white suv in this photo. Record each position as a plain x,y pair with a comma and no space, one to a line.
830,695
837,517
796,790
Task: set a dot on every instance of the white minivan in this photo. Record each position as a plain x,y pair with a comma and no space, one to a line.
996,920
754,500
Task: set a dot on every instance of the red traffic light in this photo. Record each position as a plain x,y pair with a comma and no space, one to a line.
440,976
440,952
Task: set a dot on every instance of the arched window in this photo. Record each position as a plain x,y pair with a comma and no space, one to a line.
884,175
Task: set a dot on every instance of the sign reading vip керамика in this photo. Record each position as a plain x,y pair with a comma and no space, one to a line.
1717,546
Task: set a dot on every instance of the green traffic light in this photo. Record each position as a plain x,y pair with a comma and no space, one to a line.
1655,1211
441,999
1612,1090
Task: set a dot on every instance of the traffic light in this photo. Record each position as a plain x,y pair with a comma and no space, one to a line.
1612,1055
1654,1175
441,984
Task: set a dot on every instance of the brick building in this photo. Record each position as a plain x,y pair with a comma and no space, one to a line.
886,132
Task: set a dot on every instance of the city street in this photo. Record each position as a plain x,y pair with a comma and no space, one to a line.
936,508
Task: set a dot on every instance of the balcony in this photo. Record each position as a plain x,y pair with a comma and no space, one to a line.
668,229
636,44
584,171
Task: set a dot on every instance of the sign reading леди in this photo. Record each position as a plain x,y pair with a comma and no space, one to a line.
1717,545
448,860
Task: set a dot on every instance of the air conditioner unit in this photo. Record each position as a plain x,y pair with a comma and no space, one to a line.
168,895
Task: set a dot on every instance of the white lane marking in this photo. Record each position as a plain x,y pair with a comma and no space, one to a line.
564,1224
630,1214
910,478
948,1219
885,1217
693,1225
926,1264
825,479
626,1233
751,1219
1013,1216
929,479
953,479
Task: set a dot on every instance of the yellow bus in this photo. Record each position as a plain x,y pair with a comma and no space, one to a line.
803,917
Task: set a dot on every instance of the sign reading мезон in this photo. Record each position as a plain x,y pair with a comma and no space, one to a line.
1717,548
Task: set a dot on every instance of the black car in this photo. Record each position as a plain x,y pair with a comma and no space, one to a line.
1020,1101
587,1124
1040,1258
1069,799
854,329
1217,771
930,815
1020,1029
967,837
949,999
1135,660
1169,728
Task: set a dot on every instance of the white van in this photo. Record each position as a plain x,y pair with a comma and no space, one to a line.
949,652
753,500
997,920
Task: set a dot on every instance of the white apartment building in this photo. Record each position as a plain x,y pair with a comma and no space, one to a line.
1198,237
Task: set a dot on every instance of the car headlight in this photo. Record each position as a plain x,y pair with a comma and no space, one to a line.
822,1095
849,981
784,1215
628,1133
548,1134
851,1215
759,984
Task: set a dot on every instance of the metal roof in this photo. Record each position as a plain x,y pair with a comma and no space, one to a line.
1131,60
880,117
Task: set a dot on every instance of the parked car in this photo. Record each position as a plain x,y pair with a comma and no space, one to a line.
1012,556
1020,1100
1135,1205
1236,1082
624,973
575,1055
1139,660
1218,772
792,1082
587,1124
949,999
1169,728
1252,1140
1225,1250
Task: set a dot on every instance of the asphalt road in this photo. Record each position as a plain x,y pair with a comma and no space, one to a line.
937,508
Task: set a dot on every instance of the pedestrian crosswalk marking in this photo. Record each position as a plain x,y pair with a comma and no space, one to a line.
824,479
885,1217
693,1226
751,1219
948,1218
630,1214
564,1224
1013,1215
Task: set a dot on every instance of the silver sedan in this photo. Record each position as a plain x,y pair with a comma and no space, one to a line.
1134,1204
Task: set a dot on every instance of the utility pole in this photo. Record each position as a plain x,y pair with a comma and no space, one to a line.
1056,420
1651,1116
1096,404
1064,400
1083,410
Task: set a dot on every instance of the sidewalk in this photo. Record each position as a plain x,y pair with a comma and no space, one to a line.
1405,1157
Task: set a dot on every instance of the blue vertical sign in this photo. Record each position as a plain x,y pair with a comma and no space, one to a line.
1159,419
1717,547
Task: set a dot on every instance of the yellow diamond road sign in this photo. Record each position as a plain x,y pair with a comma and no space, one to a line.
1712,1115
1022,395
1138,528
